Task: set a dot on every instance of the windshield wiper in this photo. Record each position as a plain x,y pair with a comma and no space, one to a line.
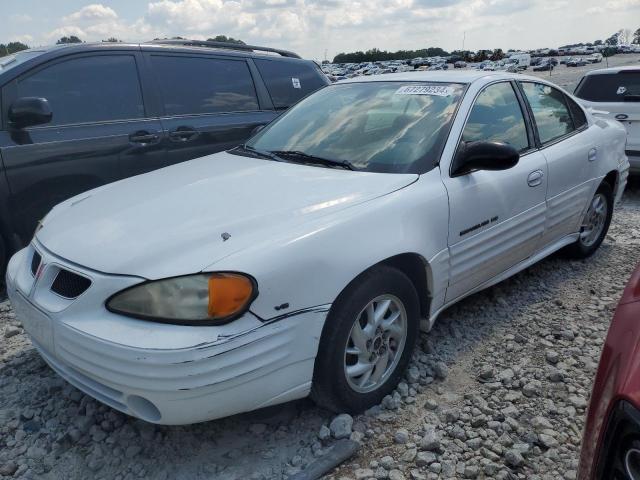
314,159
259,153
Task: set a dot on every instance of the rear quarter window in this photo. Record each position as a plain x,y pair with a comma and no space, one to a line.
289,81
610,87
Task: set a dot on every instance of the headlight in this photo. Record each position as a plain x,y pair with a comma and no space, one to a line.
203,299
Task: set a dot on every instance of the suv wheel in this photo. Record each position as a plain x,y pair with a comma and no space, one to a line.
595,223
367,341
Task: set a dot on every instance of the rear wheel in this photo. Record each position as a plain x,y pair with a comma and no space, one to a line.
595,223
367,341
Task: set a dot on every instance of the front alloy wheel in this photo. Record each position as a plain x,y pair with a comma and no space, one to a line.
367,341
376,343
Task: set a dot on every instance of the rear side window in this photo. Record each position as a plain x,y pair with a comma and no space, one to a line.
289,81
610,87
88,89
550,111
579,118
200,85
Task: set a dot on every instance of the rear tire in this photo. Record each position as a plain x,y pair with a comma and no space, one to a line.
595,224
367,341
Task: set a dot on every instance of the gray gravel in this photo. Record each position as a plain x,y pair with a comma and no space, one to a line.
497,390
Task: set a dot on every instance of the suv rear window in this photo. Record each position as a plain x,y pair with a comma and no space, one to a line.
289,81
610,87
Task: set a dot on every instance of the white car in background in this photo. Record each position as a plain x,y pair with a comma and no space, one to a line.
615,93
305,261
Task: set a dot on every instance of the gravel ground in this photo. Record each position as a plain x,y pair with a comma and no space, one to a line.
497,390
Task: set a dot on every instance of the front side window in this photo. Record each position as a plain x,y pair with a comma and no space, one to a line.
396,127
200,85
88,89
549,109
497,116
610,87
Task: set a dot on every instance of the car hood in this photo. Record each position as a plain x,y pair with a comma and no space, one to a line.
180,219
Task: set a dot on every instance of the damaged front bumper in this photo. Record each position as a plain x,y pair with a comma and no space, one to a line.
167,374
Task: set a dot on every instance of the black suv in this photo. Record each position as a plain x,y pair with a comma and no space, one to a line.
78,116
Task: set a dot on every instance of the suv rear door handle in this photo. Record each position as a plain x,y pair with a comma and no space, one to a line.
183,134
143,137
535,178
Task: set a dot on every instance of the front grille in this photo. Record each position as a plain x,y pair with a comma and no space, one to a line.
70,285
35,262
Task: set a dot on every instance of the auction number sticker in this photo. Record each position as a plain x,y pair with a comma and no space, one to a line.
437,90
296,82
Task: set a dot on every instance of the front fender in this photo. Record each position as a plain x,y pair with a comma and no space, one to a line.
312,264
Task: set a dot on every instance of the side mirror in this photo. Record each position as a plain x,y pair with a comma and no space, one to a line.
29,111
483,156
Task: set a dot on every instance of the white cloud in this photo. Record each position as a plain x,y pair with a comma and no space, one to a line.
92,13
311,26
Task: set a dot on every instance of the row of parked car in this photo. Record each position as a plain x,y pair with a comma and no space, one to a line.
140,291
516,62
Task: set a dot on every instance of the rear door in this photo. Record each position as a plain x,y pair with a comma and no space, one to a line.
209,103
571,153
617,94
99,122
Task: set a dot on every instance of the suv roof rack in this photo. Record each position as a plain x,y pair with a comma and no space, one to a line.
230,46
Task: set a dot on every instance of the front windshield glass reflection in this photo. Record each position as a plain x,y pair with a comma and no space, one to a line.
397,127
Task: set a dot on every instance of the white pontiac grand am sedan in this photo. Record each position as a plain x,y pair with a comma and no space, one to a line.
305,261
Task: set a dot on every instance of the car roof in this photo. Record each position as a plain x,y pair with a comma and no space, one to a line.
184,45
605,71
449,76
46,53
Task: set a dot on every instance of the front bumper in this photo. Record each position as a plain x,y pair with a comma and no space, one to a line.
167,374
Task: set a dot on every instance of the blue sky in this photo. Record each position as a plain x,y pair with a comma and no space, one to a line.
312,27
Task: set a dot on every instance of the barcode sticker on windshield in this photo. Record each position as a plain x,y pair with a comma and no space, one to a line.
296,82
437,90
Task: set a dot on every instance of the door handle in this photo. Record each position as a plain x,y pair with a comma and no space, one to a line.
593,154
183,134
535,178
143,137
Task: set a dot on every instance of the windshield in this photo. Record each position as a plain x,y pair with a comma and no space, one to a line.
607,87
397,127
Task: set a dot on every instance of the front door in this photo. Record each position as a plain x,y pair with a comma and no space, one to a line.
496,217
98,123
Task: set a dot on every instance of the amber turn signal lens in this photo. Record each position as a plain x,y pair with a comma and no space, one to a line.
229,293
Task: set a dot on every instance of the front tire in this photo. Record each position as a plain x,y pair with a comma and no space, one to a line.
367,341
595,224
